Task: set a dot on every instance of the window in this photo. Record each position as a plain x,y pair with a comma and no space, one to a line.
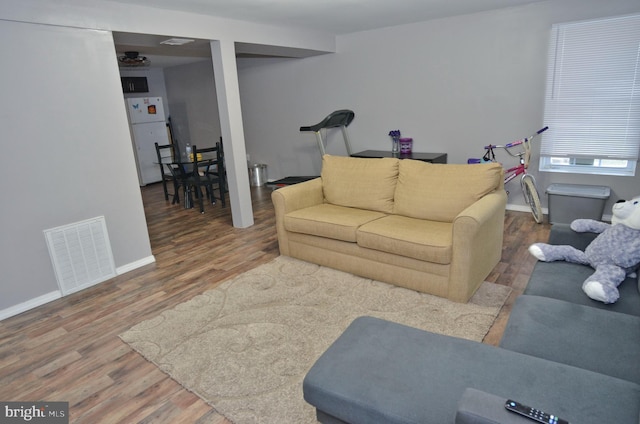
592,102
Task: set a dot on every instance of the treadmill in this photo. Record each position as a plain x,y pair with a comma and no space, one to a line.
338,119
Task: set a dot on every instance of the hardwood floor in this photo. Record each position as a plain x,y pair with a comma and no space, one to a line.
69,350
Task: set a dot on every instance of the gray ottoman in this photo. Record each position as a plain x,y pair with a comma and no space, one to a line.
382,372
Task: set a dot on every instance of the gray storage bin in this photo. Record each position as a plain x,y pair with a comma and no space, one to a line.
571,201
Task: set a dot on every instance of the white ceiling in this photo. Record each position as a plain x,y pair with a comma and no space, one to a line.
160,55
331,16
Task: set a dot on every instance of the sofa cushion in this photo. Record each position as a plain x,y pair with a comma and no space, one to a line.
440,192
589,338
429,241
326,220
360,183
563,280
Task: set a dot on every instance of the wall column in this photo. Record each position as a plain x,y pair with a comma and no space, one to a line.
226,78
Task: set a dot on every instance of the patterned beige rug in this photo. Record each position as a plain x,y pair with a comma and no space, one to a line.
245,346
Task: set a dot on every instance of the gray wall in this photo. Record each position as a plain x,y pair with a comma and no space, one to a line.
454,85
67,153
66,141
191,95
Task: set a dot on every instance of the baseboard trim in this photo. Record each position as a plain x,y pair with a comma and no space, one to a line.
30,304
55,295
135,265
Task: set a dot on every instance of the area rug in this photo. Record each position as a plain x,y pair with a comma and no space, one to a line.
245,346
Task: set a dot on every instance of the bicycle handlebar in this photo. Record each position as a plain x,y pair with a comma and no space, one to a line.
516,143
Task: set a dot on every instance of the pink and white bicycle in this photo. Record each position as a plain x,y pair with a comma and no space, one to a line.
527,181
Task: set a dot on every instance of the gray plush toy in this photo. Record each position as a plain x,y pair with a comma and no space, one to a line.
614,254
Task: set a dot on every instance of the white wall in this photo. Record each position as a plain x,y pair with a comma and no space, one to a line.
454,85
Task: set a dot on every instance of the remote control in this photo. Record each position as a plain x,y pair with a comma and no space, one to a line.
532,413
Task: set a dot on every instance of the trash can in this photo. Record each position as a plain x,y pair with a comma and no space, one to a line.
258,174
572,201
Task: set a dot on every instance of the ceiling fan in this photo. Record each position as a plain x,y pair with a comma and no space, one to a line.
133,59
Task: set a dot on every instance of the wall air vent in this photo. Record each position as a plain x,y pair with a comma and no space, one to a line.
81,254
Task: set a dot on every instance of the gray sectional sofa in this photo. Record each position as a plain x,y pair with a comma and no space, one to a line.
561,352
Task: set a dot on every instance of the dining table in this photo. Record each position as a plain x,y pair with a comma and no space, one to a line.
181,169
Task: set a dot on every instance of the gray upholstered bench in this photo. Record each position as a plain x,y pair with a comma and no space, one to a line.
381,372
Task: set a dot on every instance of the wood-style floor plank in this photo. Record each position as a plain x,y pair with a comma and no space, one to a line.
69,350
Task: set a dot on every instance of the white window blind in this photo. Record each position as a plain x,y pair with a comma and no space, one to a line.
593,91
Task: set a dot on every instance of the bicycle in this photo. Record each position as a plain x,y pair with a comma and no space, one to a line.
527,181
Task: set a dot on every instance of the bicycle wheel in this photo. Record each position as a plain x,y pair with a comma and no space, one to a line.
532,198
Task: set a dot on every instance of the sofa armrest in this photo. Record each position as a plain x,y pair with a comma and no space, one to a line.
562,234
290,198
298,196
477,244
478,407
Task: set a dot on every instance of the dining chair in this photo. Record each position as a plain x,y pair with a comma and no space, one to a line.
166,156
207,172
220,168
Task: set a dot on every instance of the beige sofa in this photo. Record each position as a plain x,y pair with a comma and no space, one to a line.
433,228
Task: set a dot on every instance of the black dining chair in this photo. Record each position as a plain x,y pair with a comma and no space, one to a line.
166,156
207,172
220,171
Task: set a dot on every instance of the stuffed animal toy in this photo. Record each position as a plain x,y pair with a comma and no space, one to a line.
614,253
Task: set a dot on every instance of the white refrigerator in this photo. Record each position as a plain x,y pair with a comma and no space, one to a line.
148,126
